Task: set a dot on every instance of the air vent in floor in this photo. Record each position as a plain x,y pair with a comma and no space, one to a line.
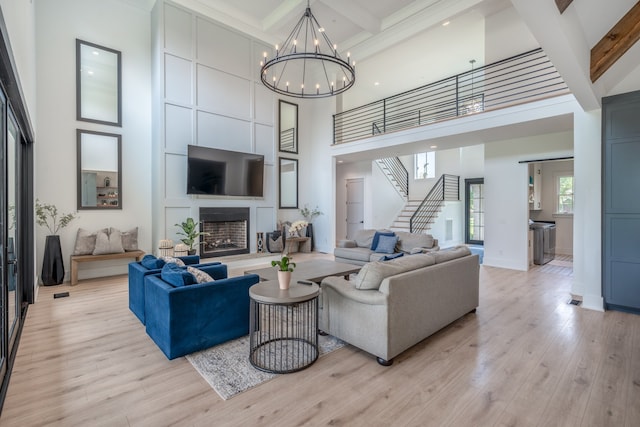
575,302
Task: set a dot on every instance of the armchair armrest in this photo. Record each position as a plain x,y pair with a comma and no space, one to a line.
347,244
216,270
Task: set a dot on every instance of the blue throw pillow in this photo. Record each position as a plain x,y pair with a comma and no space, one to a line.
394,256
386,244
150,262
176,276
376,238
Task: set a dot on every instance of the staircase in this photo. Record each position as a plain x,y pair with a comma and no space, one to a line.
396,173
403,220
418,215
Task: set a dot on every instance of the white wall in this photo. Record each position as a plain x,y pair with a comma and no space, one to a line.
587,218
506,191
115,25
386,202
420,60
506,35
19,18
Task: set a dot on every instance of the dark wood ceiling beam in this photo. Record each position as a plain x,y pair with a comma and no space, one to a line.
615,43
563,4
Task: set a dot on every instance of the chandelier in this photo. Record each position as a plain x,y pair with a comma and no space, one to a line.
307,65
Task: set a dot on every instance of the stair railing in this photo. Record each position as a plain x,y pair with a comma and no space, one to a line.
396,173
446,189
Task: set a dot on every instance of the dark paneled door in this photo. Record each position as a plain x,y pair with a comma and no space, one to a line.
621,204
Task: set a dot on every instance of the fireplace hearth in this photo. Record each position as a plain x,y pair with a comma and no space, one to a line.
227,231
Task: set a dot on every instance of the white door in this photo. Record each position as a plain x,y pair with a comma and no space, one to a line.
355,206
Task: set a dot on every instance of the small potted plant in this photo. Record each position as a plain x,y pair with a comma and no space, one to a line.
190,232
285,268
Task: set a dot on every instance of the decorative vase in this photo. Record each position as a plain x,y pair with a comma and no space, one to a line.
52,263
284,279
310,235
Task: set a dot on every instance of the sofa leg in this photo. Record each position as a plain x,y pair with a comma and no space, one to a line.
384,362
473,311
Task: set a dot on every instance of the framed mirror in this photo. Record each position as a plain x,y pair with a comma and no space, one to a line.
98,84
288,127
288,183
99,164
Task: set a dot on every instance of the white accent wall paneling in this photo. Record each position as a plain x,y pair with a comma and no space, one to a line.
211,96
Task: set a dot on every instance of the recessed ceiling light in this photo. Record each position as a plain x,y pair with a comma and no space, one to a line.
376,84
434,146
445,23
340,161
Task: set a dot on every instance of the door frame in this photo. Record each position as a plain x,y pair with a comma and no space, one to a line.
467,183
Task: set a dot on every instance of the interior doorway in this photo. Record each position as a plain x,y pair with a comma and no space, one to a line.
355,206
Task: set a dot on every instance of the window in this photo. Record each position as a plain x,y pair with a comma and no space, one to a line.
474,212
564,193
425,165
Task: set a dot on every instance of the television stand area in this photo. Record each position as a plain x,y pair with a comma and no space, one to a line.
297,244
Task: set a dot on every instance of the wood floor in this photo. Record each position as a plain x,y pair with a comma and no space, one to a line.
526,358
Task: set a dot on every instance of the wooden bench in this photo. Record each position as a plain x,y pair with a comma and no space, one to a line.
76,259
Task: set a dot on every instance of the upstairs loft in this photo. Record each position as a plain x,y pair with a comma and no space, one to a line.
521,79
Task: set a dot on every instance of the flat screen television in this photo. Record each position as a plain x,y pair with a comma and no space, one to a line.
216,172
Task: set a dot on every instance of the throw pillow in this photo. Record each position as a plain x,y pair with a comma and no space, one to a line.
85,242
173,260
176,276
386,244
150,262
376,238
108,243
129,239
201,276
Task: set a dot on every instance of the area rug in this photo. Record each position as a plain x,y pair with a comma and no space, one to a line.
227,369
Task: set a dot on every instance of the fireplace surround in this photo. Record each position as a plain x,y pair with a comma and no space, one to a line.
227,231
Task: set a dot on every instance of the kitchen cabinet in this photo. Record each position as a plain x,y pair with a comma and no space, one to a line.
535,186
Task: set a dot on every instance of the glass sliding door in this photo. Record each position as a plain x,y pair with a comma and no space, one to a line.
4,294
474,211
13,244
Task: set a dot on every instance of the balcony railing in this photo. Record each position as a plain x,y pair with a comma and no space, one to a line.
522,78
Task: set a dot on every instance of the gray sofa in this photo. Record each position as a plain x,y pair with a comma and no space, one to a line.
392,305
358,251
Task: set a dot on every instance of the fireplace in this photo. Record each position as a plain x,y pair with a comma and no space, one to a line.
228,231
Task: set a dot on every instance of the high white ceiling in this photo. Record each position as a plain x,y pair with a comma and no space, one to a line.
362,27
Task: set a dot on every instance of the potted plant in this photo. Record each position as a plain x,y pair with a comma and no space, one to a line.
285,268
190,232
47,215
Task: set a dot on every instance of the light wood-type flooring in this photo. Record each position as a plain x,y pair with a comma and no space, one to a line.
526,358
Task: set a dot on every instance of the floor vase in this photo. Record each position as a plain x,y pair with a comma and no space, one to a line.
52,263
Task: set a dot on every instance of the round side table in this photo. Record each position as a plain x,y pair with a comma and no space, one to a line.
283,327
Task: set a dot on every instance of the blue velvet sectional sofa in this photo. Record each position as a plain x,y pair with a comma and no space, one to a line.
137,273
185,319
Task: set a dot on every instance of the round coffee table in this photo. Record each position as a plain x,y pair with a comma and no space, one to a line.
283,327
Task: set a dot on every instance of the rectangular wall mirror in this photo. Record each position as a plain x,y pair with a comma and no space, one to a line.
288,183
98,84
99,164
288,127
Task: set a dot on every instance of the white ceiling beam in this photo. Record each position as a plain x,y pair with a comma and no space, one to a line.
287,11
354,13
